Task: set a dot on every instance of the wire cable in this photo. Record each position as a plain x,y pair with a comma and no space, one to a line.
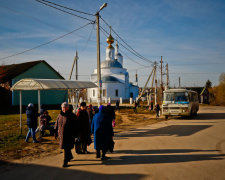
68,8
137,54
104,31
60,37
64,11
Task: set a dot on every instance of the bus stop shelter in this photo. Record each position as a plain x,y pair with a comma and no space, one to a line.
47,84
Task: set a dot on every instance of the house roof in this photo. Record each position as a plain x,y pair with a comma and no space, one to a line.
8,72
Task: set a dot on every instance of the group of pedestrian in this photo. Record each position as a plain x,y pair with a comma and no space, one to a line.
71,128
32,116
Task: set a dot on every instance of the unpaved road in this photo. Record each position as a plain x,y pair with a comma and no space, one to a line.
173,149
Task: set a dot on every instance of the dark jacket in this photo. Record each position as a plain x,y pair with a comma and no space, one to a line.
102,129
32,115
67,127
110,112
157,108
83,119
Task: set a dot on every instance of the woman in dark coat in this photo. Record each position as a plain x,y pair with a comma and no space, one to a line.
67,127
102,129
85,131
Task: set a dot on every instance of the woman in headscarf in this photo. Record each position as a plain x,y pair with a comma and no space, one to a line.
66,128
102,129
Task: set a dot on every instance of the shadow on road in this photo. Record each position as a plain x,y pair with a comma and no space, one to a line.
153,159
161,151
210,116
173,130
14,171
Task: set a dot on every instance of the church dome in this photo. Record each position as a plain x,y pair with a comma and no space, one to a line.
111,64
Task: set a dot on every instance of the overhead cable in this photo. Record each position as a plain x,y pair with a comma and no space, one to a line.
60,37
67,8
65,11
105,32
139,55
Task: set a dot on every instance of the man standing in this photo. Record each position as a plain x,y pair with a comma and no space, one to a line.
32,115
102,129
157,109
67,127
85,132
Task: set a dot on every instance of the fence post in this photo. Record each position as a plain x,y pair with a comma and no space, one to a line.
21,113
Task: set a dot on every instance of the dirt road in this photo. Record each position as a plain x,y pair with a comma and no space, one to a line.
173,149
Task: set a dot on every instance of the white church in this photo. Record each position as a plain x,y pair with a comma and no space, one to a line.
115,78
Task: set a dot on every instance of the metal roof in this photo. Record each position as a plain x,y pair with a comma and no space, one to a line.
51,84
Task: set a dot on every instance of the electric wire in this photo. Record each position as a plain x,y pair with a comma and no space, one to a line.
137,54
67,8
104,31
60,37
65,11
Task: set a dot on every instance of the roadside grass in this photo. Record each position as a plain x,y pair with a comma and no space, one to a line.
13,145
11,139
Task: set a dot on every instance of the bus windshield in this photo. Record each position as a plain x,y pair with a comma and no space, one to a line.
175,96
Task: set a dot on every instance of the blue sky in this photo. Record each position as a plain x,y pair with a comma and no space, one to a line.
190,35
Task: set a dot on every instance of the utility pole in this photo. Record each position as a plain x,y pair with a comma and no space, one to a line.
136,78
179,82
167,75
161,81
76,59
153,70
155,84
161,85
99,81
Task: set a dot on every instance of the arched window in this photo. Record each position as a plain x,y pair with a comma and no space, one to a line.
93,92
104,92
117,92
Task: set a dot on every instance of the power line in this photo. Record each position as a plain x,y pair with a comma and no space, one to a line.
137,54
67,8
60,37
104,31
65,11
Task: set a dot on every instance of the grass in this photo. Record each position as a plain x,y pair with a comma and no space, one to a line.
11,138
12,143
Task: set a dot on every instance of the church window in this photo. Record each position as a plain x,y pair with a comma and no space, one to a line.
104,92
131,95
93,92
117,92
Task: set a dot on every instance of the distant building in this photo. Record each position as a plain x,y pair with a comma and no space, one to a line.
10,74
115,78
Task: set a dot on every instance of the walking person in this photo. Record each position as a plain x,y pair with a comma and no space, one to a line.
157,109
66,129
151,106
102,129
90,111
135,106
111,114
85,131
118,105
32,116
